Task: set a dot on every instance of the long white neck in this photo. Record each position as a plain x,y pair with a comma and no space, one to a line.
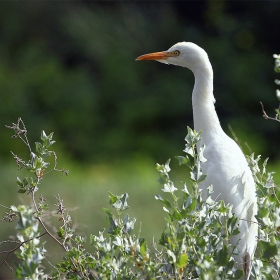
204,113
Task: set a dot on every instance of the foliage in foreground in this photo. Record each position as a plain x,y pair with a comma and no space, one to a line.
194,244
277,82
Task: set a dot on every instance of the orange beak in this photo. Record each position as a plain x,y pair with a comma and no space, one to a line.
156,56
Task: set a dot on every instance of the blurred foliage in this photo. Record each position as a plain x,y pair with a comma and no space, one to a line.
70,68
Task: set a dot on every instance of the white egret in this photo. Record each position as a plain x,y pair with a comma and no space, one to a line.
226,167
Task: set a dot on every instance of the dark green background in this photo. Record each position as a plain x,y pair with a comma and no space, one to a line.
68,67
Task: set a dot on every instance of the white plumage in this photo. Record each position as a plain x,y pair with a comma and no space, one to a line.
226,167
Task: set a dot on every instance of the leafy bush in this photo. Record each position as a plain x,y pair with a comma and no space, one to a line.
194,244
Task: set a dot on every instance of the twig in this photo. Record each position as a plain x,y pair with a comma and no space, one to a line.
20,244
252,222
270,118
10,241
4,206
43,225
19,131
8,265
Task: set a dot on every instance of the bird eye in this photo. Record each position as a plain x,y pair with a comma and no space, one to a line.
177,53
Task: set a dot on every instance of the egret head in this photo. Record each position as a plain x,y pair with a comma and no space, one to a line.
183,54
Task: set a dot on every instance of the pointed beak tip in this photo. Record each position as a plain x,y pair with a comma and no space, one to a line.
154,56
142,57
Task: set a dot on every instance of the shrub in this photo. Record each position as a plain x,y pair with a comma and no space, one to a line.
194,244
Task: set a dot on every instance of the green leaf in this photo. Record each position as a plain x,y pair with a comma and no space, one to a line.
223,208
264,166
38,163
201,178
172,255
189,149
128,224
190,204
30,167
196,174
143,247
165,209
269,250
263,212
25,181
165,201
60,232
108,212
176,215
169,188
43,135
183,160
190,190
200,154
123,200
38,147
269,181
47,139
238,274
32,157
112,198
182,261
14,208
223,256
19,182
192,137
163,168
120,203
48,143
21,190
232,225
167,167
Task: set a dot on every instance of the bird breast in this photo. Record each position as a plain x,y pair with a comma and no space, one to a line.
228,171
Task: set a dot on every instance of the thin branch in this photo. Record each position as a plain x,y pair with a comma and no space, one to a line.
8,252
43,225
252,222
10,216
20,163
55,163
19,131
4,206
10,241
270,118
8,266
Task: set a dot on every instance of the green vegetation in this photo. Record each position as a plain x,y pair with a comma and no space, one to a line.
69,68
194,243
